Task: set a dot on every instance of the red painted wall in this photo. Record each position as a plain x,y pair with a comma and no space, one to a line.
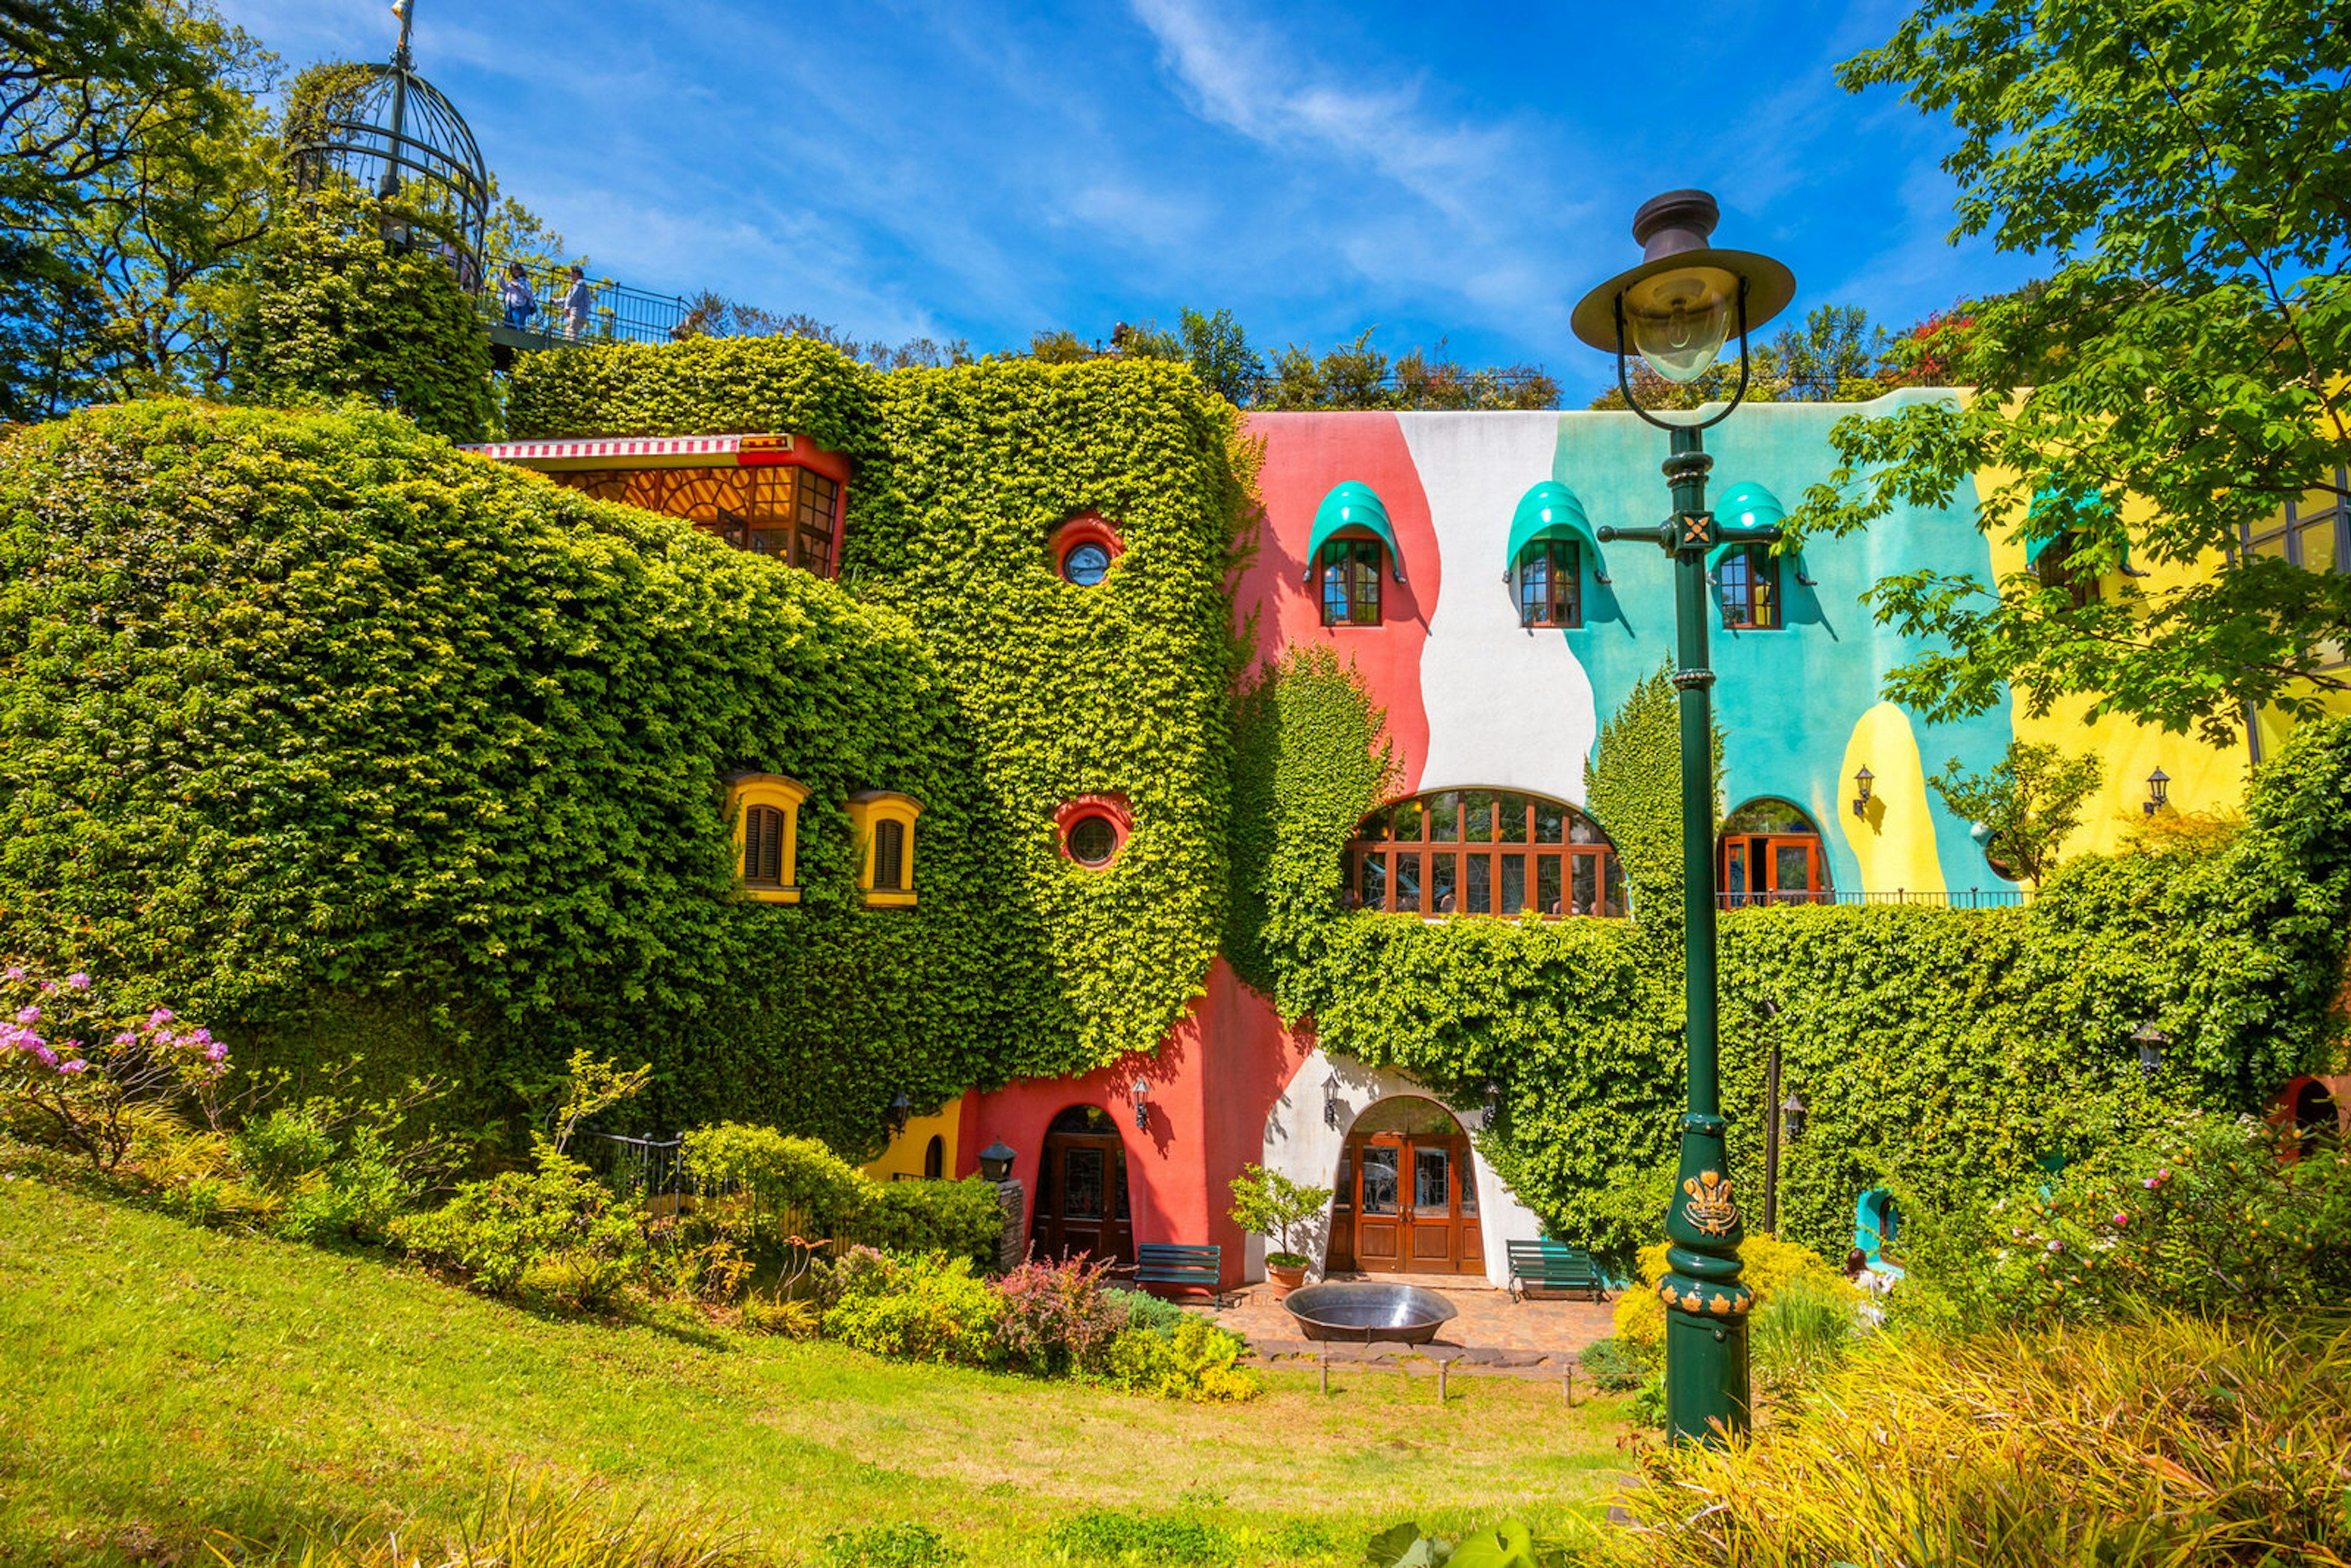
1213,1083
1305,455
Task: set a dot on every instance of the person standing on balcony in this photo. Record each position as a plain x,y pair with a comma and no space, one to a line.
515,294
576,306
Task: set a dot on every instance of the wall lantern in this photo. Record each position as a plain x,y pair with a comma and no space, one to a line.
1141,1093
1493,1102
1331,1101
901,1108
1791,1117
996,1161
2150,1041
1861,783
2158,792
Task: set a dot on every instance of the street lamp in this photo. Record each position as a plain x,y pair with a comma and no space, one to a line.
1677,310
2150,1041
901,1110
1142,1092
1331,1101
2158,792
1861,783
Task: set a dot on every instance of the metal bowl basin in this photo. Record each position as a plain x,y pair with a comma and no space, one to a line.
1364,1311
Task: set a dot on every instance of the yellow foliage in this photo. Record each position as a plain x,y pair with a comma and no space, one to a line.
1766,1265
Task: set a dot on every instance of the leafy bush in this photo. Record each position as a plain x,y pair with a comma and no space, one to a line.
2199,1214
1766,1266
1617,1366
359,1194
1057,1317
2168,1440
1194,1361
550,1225
962,1219
1104,1535
1510,1544
1801,1333
1145,1310
923,1309
283,1148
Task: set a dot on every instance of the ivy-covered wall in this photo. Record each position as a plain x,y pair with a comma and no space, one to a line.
338,738
1940,1052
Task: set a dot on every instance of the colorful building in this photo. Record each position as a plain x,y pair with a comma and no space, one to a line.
1453,559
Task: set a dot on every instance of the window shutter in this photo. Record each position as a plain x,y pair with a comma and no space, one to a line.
763,848
889,856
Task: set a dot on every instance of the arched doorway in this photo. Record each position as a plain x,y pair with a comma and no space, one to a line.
2315,1124
1081,1202
1406,1194
1770,853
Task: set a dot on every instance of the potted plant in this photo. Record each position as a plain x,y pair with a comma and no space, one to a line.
1269,1204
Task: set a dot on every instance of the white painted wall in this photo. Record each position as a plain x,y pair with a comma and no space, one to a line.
1303,1146
1507,707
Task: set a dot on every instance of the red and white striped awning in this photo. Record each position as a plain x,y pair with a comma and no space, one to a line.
631,451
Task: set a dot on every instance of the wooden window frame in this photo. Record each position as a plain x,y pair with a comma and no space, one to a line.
778,792
868,810
1568,570
1466,857
1739,613
1363,561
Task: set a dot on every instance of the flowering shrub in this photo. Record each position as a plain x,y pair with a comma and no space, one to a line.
86,1074
2198,1215
1057,1317
922,1309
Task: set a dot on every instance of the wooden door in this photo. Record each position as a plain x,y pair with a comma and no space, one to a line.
1081,1198
1416,1206
1772,868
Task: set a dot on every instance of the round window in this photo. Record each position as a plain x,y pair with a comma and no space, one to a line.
1093,841
1086,564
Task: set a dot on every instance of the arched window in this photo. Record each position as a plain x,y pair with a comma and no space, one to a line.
764,809
1770,853
1551,583
1349,571
2059,566
1747,578
883,822
1483,852
934,1158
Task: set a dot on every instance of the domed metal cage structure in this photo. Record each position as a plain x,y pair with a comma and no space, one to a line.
395,134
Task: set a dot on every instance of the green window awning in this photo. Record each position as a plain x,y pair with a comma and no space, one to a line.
1748,505
1551,510
1352,505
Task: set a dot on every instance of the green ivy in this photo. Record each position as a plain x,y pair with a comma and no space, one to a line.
1943,1051
335,736
331,313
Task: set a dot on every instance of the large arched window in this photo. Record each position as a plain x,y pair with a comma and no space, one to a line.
1483,852
1771,854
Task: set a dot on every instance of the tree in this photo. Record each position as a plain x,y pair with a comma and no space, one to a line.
2026,807
2183,372
333,312
1714,385
1833,358
1222,356
84,86
1269,1204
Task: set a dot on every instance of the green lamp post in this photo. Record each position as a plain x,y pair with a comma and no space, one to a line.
1678,308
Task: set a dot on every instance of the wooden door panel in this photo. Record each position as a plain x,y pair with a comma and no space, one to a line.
1378,1244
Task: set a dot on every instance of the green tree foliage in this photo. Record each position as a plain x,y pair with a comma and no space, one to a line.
88,89
1631,782
333,312
2186,362
2032,802
1833,358
1222,356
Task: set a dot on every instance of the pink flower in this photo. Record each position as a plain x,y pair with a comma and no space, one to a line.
126,1039
47,986
214,1051
78,981
76,1065
28,1015
2121,1220
159,1018
14,972
2056,1247
44,1055
2148,1184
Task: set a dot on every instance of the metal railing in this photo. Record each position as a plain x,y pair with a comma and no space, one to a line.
616,313
638,1168
1969,898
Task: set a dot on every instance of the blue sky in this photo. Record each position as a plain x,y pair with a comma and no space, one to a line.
982,170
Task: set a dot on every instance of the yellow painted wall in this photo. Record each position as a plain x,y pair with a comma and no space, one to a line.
904,1158
1894,838
2204,778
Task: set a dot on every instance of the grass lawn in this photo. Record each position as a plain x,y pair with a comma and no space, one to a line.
158,1381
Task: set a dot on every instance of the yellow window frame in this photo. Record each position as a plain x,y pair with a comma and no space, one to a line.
744,790
868,810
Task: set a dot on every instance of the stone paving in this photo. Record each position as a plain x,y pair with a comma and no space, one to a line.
1537,1337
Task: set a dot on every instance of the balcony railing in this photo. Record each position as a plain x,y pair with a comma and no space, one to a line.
1969,898
616,313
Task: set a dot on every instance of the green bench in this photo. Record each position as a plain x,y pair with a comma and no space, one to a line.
1546,1265
1188,1267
